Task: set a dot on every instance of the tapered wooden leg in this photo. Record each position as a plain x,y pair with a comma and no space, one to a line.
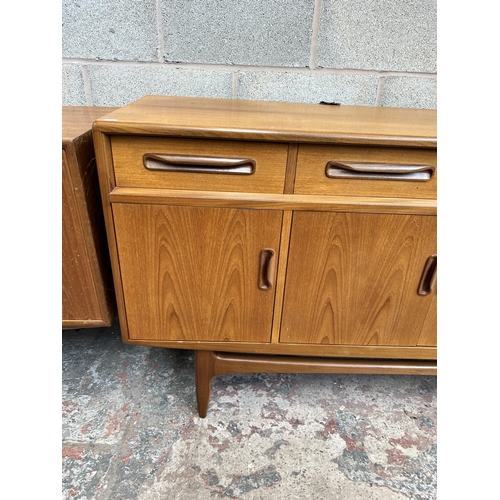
203,372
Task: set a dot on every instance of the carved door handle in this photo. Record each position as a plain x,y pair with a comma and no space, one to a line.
428,276
266,269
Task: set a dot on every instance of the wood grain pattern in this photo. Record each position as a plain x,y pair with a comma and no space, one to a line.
104,160
274,201
322,350
78,120
192,273
353,279
79,296
247,363
280,282
428,337
269,175
87,288
204,364
311,178
274,121
291,167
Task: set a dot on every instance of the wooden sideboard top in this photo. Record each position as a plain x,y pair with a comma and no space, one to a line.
278,121
76,120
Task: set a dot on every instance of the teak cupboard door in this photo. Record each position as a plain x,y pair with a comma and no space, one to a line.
80,299
197,273
353,279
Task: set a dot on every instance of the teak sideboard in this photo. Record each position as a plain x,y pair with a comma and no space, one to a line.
273,237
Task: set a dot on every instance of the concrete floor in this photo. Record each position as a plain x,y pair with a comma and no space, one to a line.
131,430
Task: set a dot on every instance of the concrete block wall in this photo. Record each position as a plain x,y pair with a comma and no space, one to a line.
356,52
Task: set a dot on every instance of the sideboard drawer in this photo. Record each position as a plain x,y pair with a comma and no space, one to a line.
366,171
199,164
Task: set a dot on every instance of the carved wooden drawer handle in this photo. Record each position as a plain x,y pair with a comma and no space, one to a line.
382,171
428,276
266,269
198,164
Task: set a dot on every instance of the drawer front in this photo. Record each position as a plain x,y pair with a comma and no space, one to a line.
199,164
366,171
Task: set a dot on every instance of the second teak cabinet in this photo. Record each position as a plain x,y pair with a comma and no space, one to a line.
300,231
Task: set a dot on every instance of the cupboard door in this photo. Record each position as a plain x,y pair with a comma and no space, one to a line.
80,297
353,279
197,274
